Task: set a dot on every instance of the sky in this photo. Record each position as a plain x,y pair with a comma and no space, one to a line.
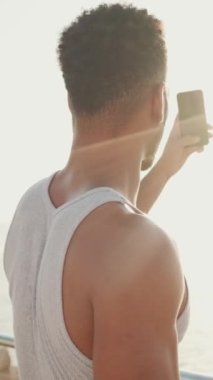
35,123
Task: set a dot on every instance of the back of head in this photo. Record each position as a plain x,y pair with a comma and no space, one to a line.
109,55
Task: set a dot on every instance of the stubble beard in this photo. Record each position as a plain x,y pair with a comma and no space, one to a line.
154,144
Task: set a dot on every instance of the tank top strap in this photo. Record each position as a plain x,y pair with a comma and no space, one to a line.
118,196
97,196
64,222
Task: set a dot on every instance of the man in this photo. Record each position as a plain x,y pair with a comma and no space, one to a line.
97,288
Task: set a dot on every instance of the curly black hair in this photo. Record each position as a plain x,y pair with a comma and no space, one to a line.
109,54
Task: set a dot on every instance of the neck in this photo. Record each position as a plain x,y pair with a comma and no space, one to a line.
108,156
113,163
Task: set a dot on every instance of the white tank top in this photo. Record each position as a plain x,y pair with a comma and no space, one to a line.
34,255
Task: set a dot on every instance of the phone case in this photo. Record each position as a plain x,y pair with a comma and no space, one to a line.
192,115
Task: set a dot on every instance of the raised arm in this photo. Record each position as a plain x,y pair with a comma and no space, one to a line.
174,156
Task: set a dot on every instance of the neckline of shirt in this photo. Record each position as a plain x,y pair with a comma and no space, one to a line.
51,206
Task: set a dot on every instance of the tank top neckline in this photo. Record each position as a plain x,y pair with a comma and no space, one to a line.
99,189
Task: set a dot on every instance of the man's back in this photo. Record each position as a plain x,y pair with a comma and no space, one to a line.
105,254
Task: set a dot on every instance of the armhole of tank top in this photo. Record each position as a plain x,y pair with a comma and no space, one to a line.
124,200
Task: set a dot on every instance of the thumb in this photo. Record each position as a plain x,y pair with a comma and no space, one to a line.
192,149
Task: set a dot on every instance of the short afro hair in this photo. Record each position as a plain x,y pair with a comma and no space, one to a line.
109,54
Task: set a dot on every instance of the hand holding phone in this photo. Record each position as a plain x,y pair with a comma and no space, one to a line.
192,116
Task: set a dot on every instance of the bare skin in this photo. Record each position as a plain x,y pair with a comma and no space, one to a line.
123,287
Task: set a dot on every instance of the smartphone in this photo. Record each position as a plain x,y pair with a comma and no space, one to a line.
192,115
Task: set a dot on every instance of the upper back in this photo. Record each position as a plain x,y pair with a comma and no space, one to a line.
34,258
58,261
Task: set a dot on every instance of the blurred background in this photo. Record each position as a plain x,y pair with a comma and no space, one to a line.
36,136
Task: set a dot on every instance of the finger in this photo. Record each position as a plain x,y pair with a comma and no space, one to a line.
199,149
210,130
190,140
190,150
209,127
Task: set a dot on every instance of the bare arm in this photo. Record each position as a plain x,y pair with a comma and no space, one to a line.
176,152
151,187
135,318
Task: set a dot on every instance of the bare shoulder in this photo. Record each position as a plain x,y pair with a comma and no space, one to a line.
151,244
136,307
138,247
156,261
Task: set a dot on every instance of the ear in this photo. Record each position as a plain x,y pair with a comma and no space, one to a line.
70,103
158,103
